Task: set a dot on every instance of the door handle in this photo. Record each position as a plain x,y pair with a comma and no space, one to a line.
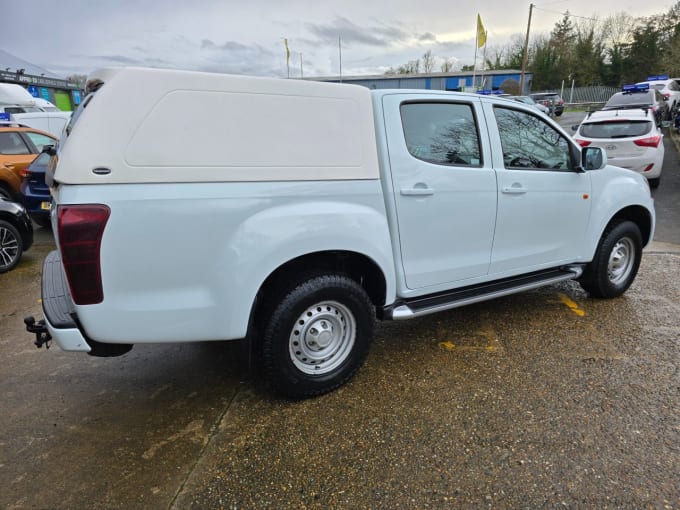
417,191
515,189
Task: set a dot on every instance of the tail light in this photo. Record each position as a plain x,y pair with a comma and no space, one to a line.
80,229
648,167
667,95
652,141
24,172
582,143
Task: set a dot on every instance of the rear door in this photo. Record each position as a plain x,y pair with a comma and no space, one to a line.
444,187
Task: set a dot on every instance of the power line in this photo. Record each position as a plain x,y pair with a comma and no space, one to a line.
567,13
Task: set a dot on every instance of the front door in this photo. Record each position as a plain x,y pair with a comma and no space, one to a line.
543,202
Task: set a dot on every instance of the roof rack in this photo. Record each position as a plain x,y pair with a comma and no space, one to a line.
645,108
11,123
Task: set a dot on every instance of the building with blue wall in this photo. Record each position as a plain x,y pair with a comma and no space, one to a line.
458,81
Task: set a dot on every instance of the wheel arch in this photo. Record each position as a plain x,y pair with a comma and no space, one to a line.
638,215
357,266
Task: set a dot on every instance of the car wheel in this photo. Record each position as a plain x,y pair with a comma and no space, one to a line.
616,261
317,336
10,246
654,183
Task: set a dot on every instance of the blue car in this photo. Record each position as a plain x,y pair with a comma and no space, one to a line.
35,193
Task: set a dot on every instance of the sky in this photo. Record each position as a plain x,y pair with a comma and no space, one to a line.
247,36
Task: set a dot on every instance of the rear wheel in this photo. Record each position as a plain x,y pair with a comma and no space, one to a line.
616,261
654,183
11,246
317,336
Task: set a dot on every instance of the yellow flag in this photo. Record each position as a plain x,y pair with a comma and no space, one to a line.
481,33
285,41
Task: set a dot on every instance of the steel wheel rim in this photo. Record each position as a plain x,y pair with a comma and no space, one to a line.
621,260
9,247
322,337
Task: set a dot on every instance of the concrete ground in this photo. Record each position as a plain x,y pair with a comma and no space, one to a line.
542,399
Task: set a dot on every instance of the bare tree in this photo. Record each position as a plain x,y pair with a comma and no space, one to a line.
428,61
448,65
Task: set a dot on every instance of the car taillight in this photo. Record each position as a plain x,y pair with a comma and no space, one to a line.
582,143
648,167
667,95
24,172
80,229
652,141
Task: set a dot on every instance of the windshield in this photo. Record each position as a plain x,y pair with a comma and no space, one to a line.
616,129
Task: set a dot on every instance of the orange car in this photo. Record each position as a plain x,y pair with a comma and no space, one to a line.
19,145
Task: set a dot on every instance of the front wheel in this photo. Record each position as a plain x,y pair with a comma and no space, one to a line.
616,261
317,336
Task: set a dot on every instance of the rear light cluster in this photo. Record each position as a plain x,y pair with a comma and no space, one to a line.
582,143
652,141
80,229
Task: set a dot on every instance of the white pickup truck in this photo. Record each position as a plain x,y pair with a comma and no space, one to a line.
192,207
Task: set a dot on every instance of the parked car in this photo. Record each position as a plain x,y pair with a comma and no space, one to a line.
550,99
636,96
16,233
19,145
630,137
669,90
35,194
530,101
50,122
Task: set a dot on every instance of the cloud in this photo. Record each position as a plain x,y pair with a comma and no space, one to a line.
427,37
376,36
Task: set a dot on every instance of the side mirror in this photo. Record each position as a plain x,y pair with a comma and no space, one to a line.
574,128
593,158
49,149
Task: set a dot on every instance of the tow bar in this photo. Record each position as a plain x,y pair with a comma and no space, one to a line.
42,336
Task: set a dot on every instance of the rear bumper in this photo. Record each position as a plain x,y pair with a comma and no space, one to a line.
58,308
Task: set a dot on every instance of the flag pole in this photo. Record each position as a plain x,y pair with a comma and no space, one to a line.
481,84
340,55
474,65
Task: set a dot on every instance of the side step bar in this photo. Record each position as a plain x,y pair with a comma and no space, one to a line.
425,305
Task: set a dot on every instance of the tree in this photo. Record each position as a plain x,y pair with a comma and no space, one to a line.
428,62
78,80
447,66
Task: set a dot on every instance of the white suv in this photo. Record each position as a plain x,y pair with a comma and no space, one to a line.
629,136
669,89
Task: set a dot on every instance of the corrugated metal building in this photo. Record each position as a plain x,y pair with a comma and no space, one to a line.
460,81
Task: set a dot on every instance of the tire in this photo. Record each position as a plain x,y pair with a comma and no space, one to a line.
616,261
11,246
654,183
5,193
317,336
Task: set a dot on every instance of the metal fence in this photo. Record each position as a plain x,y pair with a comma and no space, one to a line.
585,95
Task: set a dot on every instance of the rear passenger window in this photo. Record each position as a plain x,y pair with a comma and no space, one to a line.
12,144
441,133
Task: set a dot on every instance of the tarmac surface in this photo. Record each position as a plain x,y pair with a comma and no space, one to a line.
545,399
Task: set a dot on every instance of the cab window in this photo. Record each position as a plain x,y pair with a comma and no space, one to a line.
442,133
530,143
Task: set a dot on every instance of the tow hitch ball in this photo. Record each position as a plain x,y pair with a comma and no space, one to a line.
42,336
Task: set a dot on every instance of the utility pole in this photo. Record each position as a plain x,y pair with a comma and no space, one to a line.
526,52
